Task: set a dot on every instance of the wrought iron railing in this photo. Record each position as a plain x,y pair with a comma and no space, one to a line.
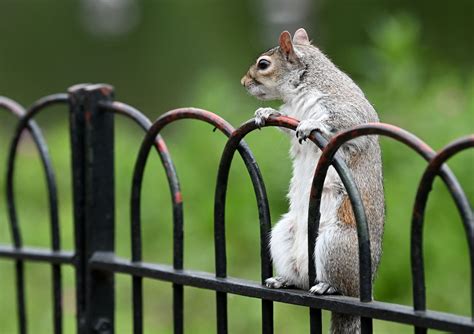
92,111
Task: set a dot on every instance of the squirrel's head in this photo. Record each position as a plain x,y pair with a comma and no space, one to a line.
280,70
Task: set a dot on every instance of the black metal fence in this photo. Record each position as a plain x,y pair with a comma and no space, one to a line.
92,110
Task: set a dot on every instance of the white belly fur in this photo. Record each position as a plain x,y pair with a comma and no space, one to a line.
289,237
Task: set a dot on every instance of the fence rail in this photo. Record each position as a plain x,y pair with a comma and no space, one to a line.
92,110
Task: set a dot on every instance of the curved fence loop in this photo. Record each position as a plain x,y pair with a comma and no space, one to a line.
46,161
365,261
280,121
320,141
11,105
18,110
421,148
38,139
152,133
175,192
173,182
264,213
434,168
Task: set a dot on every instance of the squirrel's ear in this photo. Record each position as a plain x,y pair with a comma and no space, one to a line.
301,37
286,45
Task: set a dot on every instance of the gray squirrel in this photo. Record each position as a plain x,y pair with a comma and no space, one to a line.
323,98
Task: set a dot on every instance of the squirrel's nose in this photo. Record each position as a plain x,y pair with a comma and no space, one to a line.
242,81
245,80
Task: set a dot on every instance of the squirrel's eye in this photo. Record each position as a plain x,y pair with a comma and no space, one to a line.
263,64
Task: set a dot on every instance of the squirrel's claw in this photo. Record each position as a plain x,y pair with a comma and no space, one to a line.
301,136
304,129
301,140
306,126
259,122
323,289
262,114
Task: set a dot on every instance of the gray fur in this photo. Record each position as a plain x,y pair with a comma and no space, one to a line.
296,78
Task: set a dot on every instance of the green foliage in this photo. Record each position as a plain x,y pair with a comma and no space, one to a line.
434,102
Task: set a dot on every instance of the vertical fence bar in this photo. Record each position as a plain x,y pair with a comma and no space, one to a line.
315,321
99,206
315,315
92,136
136,245
57,299
20,288
77,121
178,250
220,260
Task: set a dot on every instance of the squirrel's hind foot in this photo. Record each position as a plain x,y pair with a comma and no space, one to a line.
323,289
276,282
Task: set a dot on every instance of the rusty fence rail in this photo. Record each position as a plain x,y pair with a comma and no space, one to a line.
91,113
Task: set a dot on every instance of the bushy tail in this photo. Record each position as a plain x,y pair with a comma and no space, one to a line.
344,324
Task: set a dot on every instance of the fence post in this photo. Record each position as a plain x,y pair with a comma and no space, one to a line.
92,147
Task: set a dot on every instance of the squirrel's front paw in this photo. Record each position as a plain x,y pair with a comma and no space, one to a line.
261,115
305,127
276,282
323,289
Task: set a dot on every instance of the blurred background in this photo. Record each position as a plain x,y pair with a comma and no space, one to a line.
414,61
